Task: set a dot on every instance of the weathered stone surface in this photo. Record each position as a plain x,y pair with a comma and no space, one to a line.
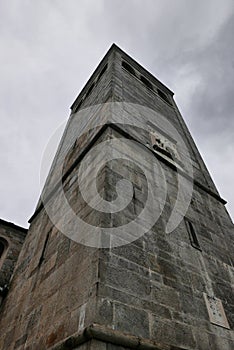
131,320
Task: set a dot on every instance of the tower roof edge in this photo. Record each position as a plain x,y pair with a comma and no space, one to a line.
129,59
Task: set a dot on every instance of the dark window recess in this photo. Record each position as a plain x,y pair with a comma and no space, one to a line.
160,148
79,105
146,82
102,72
89,90
127,66
192,234
4,290
3,246
42,258
163,96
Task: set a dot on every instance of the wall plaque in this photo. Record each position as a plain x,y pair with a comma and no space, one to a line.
216,311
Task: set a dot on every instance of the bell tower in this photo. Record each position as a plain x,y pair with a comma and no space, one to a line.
130,245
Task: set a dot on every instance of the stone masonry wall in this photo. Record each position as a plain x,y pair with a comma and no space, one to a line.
52,289
153,287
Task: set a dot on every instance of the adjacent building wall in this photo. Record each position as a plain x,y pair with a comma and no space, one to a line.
11,239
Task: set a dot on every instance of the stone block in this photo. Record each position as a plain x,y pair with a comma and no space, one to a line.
175,334
128,281
166,296
131,320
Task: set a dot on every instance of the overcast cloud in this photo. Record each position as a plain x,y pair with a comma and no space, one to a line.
50,48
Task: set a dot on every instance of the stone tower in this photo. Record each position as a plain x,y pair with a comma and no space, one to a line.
130,245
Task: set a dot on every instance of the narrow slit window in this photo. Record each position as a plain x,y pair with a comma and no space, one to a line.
89,90
192,234
102,72
127,66
79,105
146,82
3,246
42,258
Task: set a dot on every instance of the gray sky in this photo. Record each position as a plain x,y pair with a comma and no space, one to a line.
50,48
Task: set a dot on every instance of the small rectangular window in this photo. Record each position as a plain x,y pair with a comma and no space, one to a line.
192,234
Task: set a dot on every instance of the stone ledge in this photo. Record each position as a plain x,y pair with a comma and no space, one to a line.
129,137
108,335
14,226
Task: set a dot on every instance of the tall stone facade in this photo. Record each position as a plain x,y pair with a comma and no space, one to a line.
160,278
